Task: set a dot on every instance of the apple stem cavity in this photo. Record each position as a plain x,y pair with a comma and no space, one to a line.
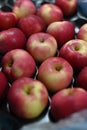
59,67
10,63
42,40
28,90
77,48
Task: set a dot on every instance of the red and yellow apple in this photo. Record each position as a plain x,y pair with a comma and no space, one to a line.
18,63
81,78
3,85
68,101
41,46
68,7
27,98
10,39
63,31
50,13
7,20
75,52
56,73
23,8
31,24
82,33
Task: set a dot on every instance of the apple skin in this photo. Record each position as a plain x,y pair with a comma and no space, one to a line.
82,33
41,46
7,20
68,7
23,8
10,39
27,98
50,13
81,79
56,73
3,86
63,31
68,101
75,52
18,63
31,24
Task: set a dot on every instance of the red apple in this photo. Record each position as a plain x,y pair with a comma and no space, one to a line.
18,63
7,20
27,98
23,8
75,52
31,24
3,85
82,33
81,79
68,101
63,31
50,13
56,73
10,39
69,7
41,46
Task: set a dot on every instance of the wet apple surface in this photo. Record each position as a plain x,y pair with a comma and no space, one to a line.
54,82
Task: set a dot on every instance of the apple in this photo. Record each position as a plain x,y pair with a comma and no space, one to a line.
68,7
18,63
82,33
68,101
50,13
81,78
3,86
75,52
27,98
10,39
23,8
56,73
7,20
31,24
63,31
41,46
